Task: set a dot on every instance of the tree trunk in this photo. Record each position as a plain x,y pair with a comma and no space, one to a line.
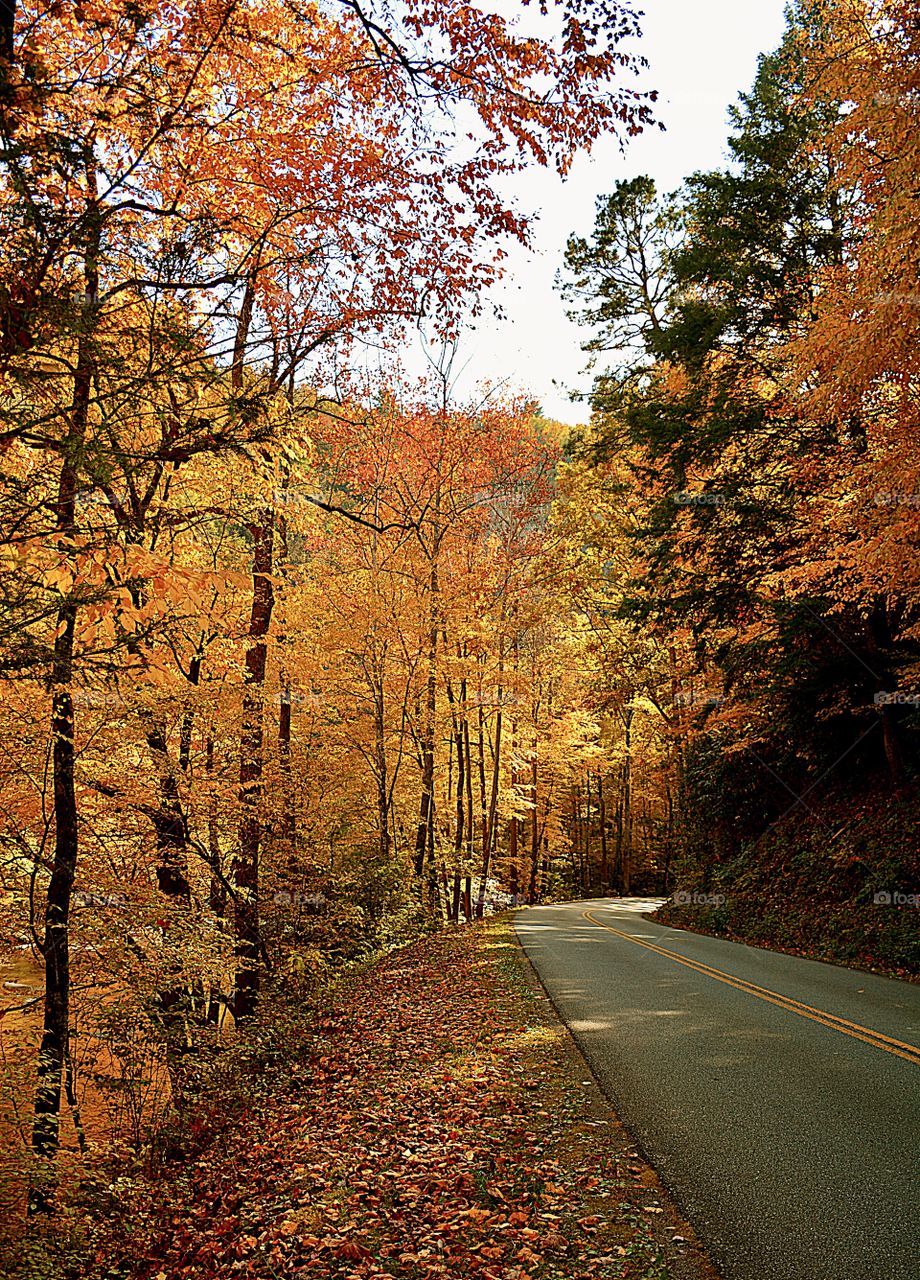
188,718
383,787
289,820
171,1006
169,818
424,831
678,739
457,746
879,646
627,807
589,874
55,1044
493,806
245,869
56,946
669,837
481,763
468,770
891,741
289,816
218,891
602,819
534,836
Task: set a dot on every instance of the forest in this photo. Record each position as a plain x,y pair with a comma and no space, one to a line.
304,657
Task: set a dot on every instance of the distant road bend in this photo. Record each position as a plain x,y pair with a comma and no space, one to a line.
778,1098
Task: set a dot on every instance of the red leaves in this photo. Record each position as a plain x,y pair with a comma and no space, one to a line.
413,1152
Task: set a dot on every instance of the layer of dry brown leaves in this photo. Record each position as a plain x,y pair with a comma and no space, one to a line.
433,1132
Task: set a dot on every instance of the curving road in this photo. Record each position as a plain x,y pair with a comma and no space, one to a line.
778,1098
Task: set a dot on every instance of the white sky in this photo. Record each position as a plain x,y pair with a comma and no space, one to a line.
702,53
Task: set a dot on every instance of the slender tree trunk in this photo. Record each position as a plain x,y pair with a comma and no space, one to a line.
245,869
602,819
217,892
493,801
425,813
434,889
54,1051
669,837
588,878
618,868
481,763
514,826
188,719
627,807
56,946
879,646
493,790
383,783
171,1006
457,747
891,741
468,773
289,818
459,830
534,835
288,809
424,831
678,739
169,818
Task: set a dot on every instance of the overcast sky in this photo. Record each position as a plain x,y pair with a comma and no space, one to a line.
702,53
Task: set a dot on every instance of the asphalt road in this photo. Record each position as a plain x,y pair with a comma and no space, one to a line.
788,1135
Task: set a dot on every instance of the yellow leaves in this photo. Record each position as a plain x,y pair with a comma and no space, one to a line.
161,676
60,579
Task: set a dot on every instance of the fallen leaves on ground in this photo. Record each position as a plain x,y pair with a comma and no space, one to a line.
433,1132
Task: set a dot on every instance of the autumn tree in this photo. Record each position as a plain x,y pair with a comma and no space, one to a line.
758,557
193,210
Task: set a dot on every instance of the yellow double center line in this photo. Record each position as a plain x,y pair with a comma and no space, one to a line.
909,1052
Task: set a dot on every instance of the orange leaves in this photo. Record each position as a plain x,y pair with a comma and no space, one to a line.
314,147
857,358
60,578
357,1170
